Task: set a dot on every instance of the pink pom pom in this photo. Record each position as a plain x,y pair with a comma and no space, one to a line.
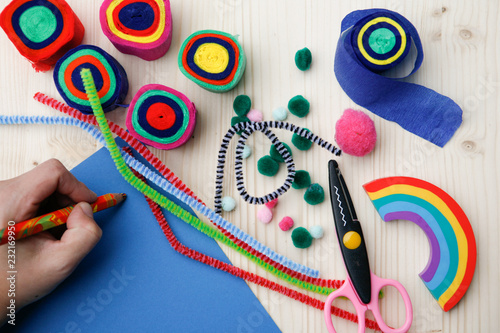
355,133
265,215
286,223
255,115
272,204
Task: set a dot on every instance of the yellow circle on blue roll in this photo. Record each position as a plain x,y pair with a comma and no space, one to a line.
212,58
394,57
351,240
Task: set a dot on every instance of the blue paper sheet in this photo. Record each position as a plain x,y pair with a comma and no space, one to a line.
133,281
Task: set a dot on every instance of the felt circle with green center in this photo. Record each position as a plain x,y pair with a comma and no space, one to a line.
41,30
109,76
380,42
212,59
161,117
37,23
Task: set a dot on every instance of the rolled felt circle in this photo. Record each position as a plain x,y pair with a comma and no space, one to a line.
380,41
212,59
139,27
161,117
42,30
109,76
373,41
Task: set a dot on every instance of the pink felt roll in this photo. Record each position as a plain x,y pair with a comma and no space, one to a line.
141,28
161,117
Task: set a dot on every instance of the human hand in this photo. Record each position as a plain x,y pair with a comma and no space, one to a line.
42,261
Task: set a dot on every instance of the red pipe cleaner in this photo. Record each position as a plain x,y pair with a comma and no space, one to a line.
172,178
240,273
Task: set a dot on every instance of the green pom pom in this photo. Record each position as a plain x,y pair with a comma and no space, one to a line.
242,105
300,142
276,155
301,180
301,238
303,59
238,119
314,194
267,166
299,106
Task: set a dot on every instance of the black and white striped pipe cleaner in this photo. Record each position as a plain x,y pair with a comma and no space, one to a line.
248,128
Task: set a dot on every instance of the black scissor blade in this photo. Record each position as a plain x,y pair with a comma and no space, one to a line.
349,234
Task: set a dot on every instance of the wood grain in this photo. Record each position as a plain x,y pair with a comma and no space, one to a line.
461,44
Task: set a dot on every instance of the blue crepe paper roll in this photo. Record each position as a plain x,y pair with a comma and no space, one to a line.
417,109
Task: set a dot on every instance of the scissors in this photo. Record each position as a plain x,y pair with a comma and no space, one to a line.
361,286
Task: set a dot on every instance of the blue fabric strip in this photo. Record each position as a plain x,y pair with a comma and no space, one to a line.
417,109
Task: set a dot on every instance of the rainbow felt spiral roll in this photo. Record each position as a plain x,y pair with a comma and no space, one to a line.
161,117
139,27
110,78
42,30
212,59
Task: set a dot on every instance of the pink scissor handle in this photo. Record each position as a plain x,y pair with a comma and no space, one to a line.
377,285
347,290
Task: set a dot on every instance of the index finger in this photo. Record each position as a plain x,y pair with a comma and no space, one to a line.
33,187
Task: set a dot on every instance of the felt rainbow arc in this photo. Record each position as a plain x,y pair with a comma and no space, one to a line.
139,27
42,30
452,259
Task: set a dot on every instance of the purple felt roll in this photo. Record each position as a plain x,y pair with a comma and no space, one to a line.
141,28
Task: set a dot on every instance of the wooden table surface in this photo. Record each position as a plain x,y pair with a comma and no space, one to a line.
461,61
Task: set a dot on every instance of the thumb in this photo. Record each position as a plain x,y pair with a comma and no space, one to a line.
82,234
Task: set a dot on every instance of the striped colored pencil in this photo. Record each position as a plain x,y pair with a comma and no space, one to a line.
54,219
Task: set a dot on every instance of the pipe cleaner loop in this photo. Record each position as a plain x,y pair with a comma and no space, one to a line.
161,199
161,117
248,129
110,78
212,59
170,177
141,28
42,31
316,285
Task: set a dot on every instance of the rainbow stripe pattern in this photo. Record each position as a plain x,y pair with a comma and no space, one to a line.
42,30
161,117
212,59
139,27
452,259
110,77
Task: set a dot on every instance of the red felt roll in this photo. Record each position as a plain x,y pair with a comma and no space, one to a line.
42,30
